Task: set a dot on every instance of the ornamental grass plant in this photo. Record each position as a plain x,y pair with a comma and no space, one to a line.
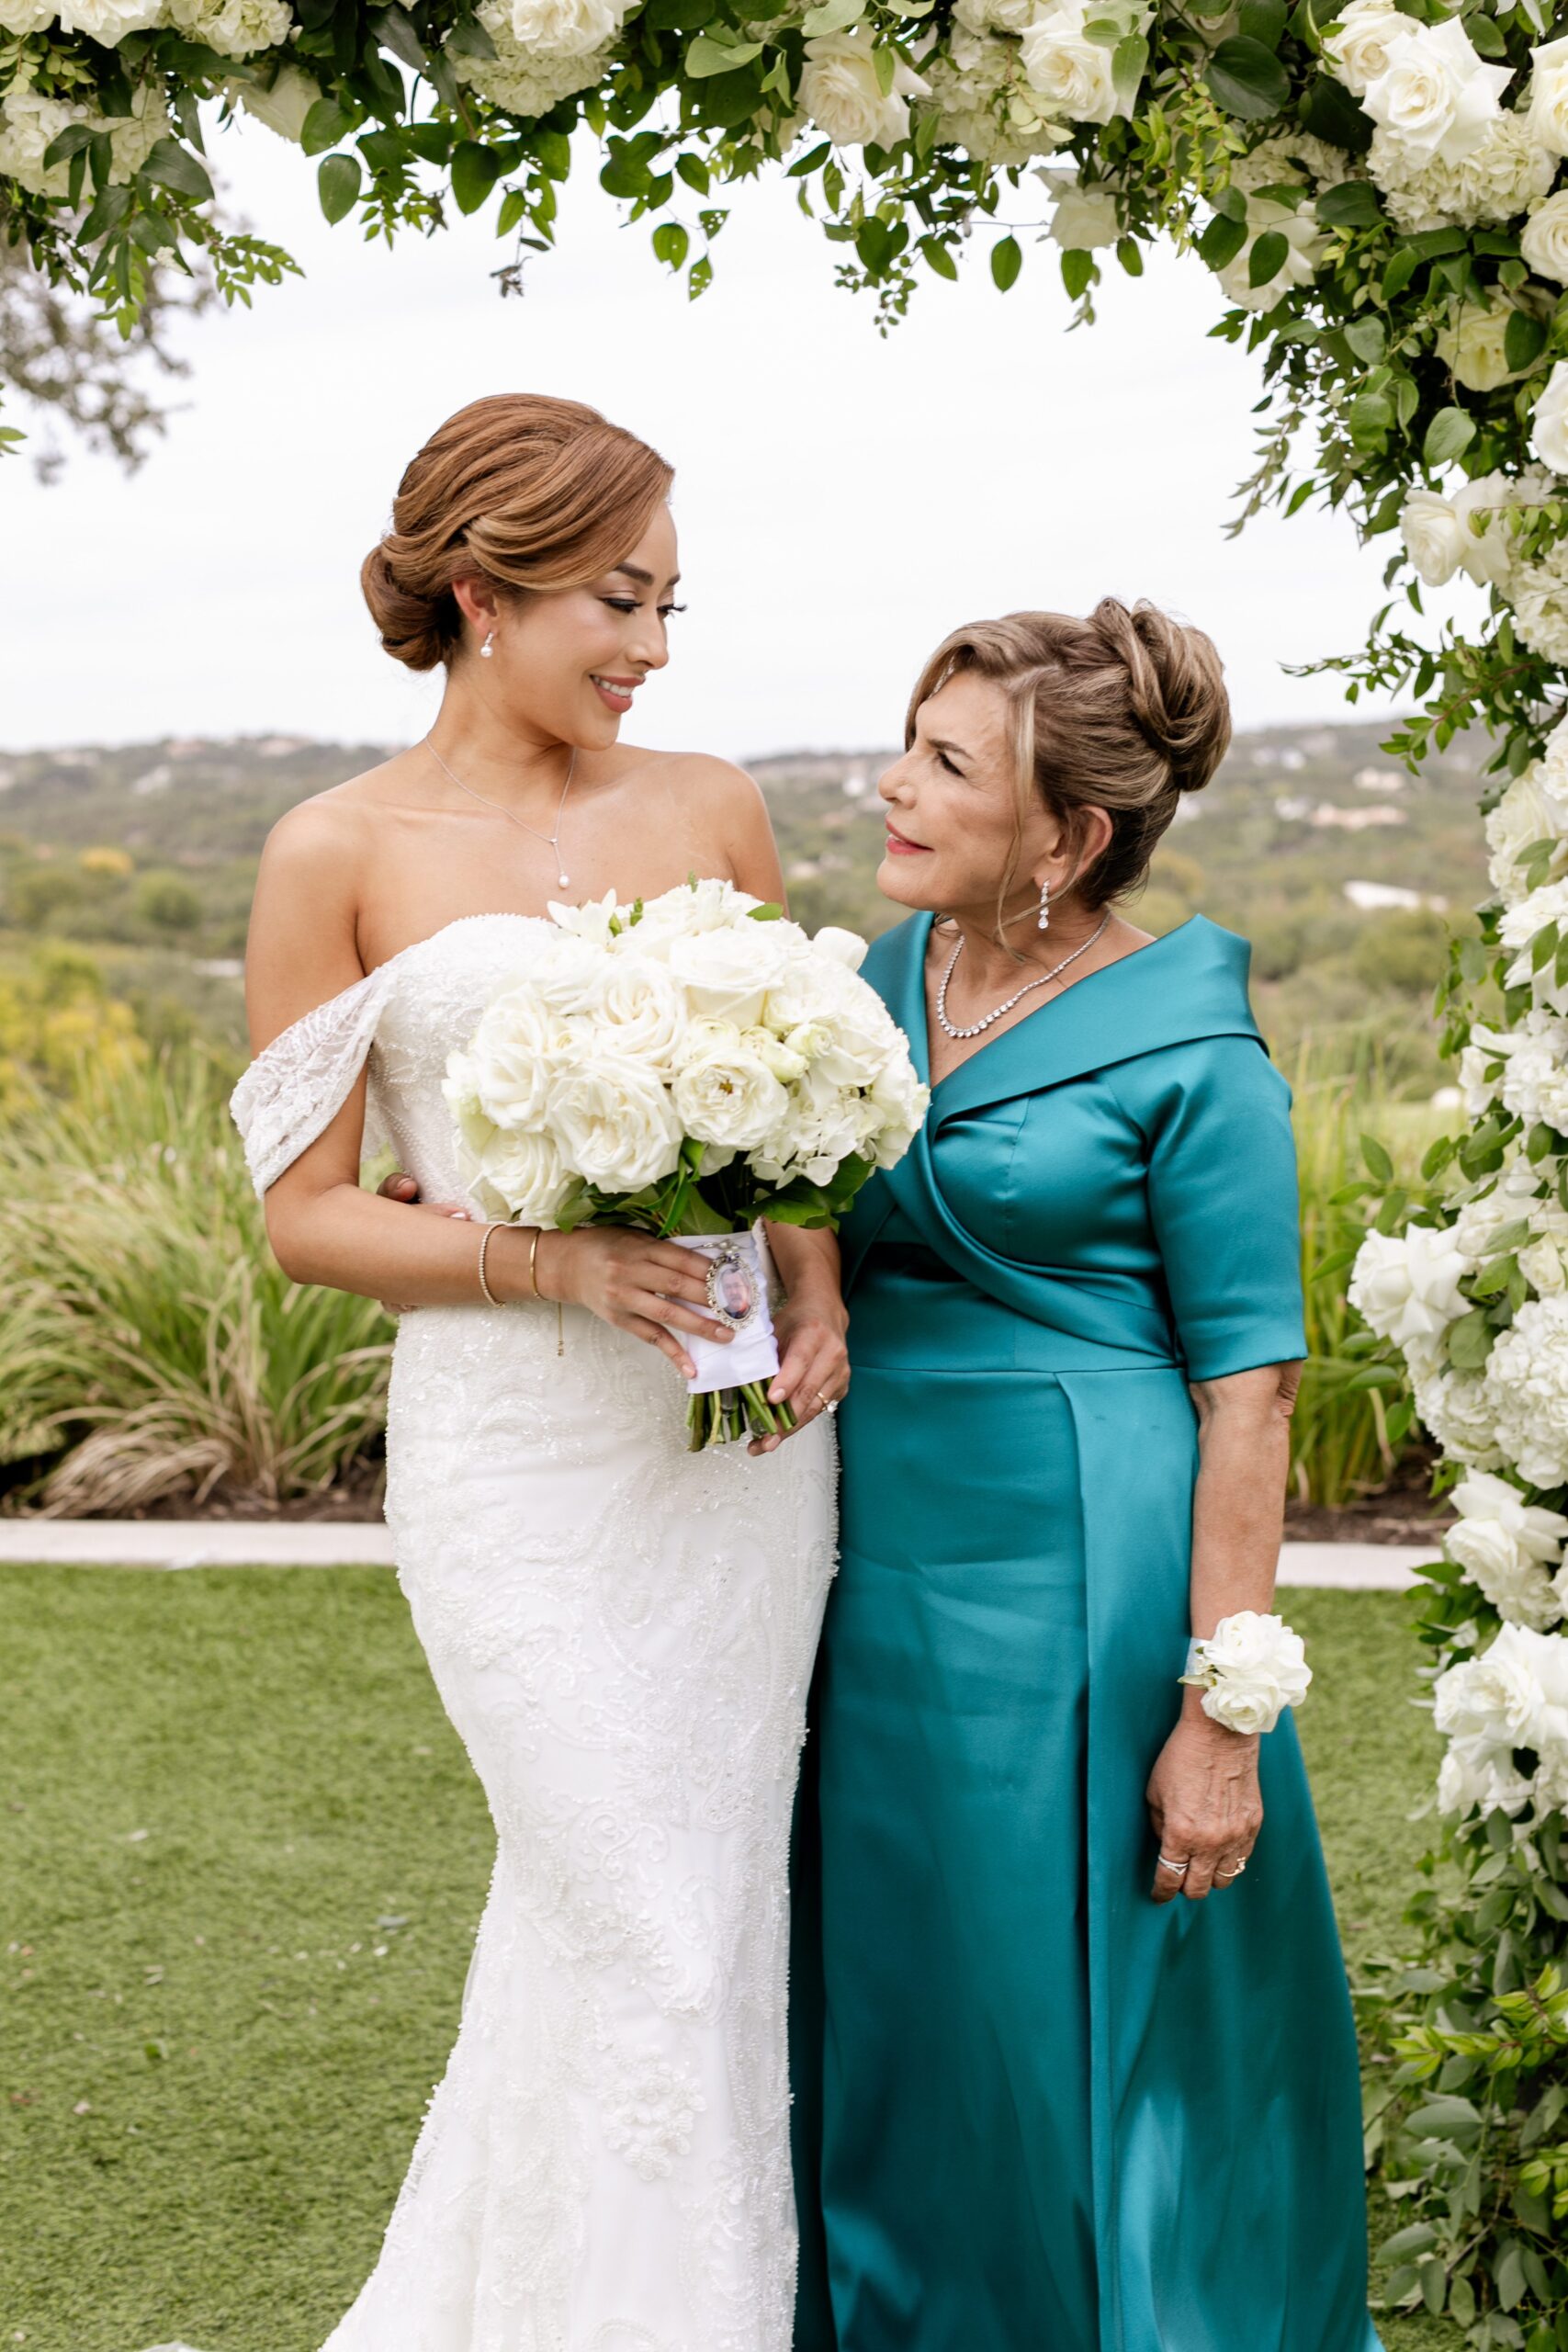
150,1348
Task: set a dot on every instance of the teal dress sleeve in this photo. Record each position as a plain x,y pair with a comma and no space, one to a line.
1222,1200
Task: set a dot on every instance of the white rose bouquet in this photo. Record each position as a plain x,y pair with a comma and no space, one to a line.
689,1065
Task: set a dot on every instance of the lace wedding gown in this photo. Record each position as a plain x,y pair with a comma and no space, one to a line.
622,1633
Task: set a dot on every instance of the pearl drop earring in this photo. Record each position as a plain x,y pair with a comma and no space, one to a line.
1045,906
488,647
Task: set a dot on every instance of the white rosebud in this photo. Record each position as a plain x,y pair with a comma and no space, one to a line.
1546,118
1548,423
1433,535
846,947
1434,94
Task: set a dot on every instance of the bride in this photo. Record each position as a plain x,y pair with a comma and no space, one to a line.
621,1631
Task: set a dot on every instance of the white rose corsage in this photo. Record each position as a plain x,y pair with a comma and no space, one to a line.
1250,1669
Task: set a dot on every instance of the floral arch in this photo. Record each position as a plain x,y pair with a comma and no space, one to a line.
1375,190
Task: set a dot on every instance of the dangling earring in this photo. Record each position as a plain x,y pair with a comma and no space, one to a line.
1045,904
488,647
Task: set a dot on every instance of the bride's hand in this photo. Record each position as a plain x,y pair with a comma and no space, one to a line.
635,1282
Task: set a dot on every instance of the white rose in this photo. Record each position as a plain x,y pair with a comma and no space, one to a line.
1260,1669
845,947
1540,1262
1546,118
1433,535
1434,93
107,21
640,1010
1544,239
1083,217
1482,1775
1070,73
562,28
690,907
519,1177
1305,249
727,974
25,17
901,1102
724,1090
1554,761
1529,811
1525,1382
840,91
1548,423
615,1123
1405,1286
1357,54
569,973
1473,343
284,107
234,28
1479,1071
516,1053
1503,1543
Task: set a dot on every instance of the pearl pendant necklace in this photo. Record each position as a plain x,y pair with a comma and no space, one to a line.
977,1028
552,839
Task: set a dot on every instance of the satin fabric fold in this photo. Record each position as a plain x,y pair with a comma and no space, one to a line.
1036,2112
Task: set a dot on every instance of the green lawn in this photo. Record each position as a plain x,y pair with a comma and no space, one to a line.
242,1864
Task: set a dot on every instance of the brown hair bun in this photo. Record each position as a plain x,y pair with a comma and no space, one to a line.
519,490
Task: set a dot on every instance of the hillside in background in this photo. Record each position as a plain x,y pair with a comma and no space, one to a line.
133,867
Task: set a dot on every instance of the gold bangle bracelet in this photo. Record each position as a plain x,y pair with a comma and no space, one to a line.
491,1298
533,1261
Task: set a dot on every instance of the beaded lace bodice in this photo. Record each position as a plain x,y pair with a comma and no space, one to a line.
623,1633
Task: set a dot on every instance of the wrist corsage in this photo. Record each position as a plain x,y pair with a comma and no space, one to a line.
1250,1669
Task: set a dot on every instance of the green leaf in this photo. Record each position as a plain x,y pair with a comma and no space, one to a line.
707,56
337,183
1524,340
75,140
671,243
1263,21
1078,272
1007,260
475,171
1368,418
1470,1339
1247,79
1377,1160
697,174
1353,204
1221,241
1128,63
1267,258
1129,252
394,27
831,17
939,257
1368,339
1330,113
108,212
173,166
1400,272
326,123
1449,434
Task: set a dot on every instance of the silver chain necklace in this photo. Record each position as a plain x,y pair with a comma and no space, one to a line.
553,839
977,1028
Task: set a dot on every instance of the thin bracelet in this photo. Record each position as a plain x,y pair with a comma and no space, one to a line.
491,1298
533,1261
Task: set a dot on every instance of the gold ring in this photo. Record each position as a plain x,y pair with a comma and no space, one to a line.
828,1404
1238,1872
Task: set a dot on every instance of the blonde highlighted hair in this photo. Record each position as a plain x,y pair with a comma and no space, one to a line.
1124,711
521,491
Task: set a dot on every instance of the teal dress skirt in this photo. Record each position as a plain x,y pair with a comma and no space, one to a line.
1035,2112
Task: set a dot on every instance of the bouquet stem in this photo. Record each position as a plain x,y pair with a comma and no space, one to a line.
719,1415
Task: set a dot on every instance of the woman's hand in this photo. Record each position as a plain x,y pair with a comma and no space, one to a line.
814,1363
400,1187
1204,1804
631,1280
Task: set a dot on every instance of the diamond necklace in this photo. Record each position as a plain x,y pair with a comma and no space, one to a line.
976,1028
553,839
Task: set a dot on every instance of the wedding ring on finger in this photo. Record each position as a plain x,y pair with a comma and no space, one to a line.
1241,1865
828,1404
1177,1870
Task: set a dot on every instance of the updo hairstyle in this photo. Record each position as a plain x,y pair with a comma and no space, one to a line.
518,490
1124,711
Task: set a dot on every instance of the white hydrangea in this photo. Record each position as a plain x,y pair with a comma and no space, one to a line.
1305,248
1530,810
1539,593
984,104
1455,1408
526,82
1502,174
30,124
1405,1285
1534,1084
994,16
107,21
1505,1546
234,28
1525,1382
1292,155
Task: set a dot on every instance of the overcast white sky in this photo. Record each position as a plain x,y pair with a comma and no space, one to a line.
843,499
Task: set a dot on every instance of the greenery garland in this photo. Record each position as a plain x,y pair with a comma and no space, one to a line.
1376,193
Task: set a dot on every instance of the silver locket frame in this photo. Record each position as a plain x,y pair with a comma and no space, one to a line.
718,1267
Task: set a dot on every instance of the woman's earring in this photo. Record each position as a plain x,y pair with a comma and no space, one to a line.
488,647
1045,904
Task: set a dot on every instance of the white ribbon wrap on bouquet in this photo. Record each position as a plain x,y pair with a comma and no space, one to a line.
738,1270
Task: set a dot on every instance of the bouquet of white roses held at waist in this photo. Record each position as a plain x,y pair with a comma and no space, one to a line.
688,1065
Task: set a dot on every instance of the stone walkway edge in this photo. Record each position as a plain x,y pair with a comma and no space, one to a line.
326,1543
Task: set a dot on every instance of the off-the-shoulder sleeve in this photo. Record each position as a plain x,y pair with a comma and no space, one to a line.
296,1087
1224,1202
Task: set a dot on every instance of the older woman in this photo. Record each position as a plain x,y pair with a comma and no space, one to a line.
1067,2080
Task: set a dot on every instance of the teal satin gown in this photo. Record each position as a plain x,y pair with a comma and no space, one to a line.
1035,2112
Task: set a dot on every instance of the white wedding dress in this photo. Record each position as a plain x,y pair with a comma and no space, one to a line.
622,1633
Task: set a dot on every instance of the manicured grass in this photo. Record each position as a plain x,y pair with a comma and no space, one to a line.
242,1858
